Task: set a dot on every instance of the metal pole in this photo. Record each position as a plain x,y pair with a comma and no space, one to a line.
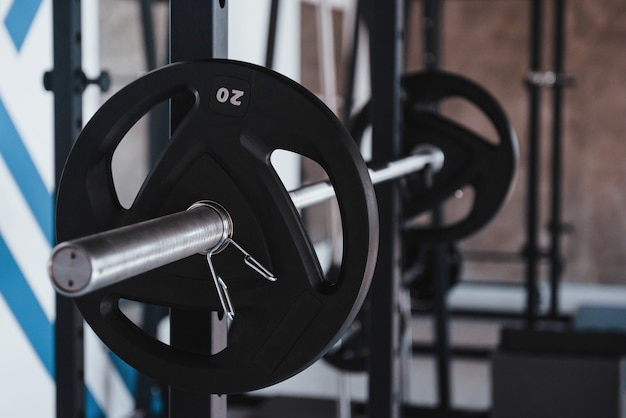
432,22
427,156
531,251
348,98
271,34
386,46
198,30
158,116
64,81
86,264
147,26
556,222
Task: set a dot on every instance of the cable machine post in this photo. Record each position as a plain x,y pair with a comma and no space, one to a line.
198,30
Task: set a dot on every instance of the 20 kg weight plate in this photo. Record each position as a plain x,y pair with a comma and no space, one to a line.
221,150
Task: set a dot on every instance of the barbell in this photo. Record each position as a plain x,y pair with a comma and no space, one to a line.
214,190
81,266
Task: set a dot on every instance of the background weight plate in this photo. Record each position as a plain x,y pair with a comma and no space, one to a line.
471,160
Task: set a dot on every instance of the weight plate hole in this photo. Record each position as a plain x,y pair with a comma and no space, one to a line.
152,319
322,221
141,147
129,164
471,117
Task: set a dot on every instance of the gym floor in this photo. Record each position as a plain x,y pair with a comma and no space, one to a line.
470,377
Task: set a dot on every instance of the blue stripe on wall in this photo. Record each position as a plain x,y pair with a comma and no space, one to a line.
19,19
24,305
32,319
25,173
92,410
127,373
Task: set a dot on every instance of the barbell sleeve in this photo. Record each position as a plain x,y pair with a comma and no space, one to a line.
90,263
83,265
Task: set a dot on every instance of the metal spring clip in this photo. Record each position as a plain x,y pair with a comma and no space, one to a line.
220,285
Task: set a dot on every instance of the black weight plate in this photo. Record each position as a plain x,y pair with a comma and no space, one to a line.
470,159
221,151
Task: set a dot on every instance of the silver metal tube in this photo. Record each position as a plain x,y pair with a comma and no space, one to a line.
422,157
86,264
312,194
83,265
425,156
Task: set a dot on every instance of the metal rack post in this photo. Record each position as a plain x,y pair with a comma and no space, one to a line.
556,222
198,30
532,251
271,34
64,80
432,24
386,34
350,67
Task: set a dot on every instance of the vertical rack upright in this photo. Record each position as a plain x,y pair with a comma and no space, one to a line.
64,80
432,28
535,81
555,225
198,30
532,251
386,42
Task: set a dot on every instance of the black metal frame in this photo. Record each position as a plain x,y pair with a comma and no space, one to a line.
556,225
271,34
531,250
386,51
432,18
532,253
198,30
66,80
158,117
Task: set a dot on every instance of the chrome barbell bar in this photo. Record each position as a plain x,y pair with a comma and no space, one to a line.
83,265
